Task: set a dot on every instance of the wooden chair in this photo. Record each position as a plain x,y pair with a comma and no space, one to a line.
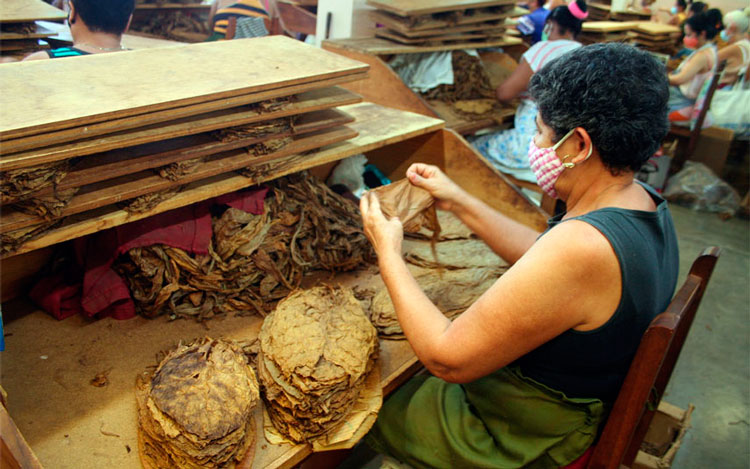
650,371
294,19
694,134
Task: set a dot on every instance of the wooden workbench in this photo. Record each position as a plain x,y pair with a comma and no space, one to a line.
27,11
48,365
385,87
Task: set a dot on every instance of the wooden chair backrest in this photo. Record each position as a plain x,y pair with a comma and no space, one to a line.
651,369
696,132
293,18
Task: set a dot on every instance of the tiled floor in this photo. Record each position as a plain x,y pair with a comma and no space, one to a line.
713,372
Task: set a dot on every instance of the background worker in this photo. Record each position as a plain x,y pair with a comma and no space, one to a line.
530,26
97,27
737,52
222,10
508,149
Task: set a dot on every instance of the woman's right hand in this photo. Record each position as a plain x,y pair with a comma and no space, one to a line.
446,193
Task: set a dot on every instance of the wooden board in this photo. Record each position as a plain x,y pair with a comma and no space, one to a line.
606,26
306,102
153,155
40,32
35,100
22,45
379,46
655,29
116,125
133,185
404,26
451,29
26,11
423,7
466,37
376,126
465,125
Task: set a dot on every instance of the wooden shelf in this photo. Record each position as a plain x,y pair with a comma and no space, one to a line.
378,46
376,127
26,11
173,6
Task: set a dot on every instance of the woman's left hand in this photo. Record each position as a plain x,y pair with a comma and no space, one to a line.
385,235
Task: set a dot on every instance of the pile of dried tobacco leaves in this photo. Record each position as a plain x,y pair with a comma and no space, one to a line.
253,260
196,410
316,349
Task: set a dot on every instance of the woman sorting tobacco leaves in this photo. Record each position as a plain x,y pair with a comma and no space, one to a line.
525,377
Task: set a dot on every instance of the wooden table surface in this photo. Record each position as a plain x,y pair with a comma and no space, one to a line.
423,7
24,11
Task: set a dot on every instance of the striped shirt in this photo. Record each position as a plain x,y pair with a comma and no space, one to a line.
66,52
243,8
542,52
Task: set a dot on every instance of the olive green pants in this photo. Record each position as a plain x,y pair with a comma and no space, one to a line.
503,420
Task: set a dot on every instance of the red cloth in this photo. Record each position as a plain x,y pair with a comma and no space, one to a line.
583,461
97,290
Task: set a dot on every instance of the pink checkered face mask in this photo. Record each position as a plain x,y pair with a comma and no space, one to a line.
547,166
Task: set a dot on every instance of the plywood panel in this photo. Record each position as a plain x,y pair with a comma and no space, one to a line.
38,33
379,46
117,125
153,155
607,26
24,11
465,38
306,102
134,185
36,100
405,26
422,7
376,127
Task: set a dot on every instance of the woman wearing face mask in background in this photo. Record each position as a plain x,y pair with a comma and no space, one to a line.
507,149
542,353
688,79
737,52
678,15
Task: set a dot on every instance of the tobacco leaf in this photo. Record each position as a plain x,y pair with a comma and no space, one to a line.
253,260
11,241
452,292
413,206
18,183
471,81
195,410
146,202
174,171
316,349
47,206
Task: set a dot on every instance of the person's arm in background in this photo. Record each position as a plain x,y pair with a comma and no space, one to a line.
693,67
516,83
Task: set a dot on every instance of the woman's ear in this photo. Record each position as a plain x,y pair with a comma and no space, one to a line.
584,145
71,13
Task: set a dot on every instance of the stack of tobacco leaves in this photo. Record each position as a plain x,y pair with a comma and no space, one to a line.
196,409
175,25
316,348
470,81
451,291
253,260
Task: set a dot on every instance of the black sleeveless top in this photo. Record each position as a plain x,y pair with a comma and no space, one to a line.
593,364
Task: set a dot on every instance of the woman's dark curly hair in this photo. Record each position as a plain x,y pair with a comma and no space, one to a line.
616,92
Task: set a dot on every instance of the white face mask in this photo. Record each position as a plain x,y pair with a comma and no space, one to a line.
547,166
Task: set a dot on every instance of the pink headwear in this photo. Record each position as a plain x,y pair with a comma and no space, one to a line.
576,11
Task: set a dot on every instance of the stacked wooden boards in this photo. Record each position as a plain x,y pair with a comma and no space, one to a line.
600,11
19,35
654,36
426,22
121,145
630,15
604,31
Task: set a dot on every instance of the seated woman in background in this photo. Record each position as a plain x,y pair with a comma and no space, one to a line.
507,149
689,78
678,13
543,353
737,52
222,10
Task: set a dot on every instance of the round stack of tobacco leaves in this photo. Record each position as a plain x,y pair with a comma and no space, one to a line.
196,410
316,349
